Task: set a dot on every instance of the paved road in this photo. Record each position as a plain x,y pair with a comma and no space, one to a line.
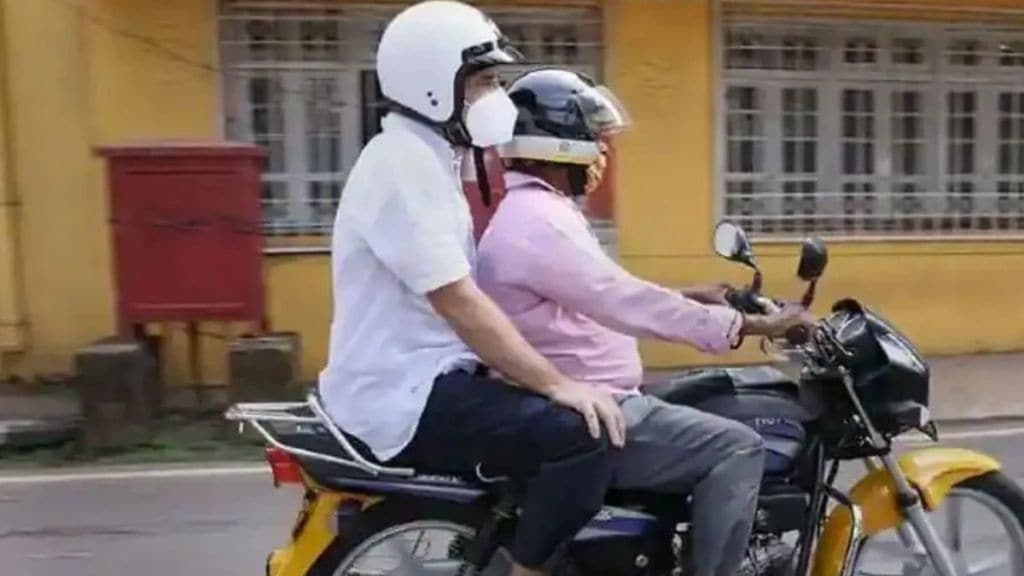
222,525
205,523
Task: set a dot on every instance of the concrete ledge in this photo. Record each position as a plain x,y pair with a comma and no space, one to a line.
34,415
119,391
965,389
978,387
263,368
195,399
22,434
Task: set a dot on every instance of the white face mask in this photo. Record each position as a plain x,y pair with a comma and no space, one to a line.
491,120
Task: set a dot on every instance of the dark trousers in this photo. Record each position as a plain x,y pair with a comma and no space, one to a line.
473,420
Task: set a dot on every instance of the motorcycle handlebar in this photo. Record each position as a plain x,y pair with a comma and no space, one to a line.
818,344
750,302
768,305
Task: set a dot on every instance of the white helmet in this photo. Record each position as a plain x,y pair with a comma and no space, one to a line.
425,54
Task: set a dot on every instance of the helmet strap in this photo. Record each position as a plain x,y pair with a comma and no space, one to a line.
454,129
577,176
455,132
482,181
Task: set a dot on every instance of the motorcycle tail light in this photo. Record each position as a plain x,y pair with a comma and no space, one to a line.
284,467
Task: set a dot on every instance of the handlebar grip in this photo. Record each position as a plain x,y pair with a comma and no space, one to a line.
768,305
746,301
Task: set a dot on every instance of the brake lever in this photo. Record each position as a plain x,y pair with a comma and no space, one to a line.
746,300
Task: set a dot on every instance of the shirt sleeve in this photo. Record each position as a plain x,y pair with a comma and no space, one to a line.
565,265
411,227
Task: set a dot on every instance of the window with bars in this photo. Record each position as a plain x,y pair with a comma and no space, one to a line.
300,81
872,130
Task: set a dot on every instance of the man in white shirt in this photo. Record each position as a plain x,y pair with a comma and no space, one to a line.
410,329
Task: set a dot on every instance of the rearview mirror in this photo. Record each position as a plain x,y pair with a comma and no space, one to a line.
813,259
731,243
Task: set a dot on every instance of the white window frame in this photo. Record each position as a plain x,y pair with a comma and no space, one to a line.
364,23
935,77
292,79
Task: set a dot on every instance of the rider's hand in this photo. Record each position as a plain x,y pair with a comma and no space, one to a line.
790,317
714,294
776,325
744,300
597,406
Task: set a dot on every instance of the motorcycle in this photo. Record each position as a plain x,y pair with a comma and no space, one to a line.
858,385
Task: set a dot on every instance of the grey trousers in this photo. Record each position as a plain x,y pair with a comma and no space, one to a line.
679,449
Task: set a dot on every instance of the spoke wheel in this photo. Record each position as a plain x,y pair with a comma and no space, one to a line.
427,548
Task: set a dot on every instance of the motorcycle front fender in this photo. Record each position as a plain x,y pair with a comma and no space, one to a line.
933,472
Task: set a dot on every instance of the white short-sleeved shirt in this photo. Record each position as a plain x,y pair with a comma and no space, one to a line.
403,229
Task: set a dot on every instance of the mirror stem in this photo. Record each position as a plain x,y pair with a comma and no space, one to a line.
808,298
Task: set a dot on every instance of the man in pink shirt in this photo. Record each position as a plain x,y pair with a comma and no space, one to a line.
542,264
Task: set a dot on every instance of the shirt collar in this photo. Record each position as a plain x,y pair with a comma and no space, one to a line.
515,180
445,151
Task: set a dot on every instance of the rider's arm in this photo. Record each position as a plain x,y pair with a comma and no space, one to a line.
706,293
559,260
491,335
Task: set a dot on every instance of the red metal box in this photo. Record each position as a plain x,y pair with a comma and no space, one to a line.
186,225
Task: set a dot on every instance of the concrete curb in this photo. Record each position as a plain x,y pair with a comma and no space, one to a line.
31,433
76,473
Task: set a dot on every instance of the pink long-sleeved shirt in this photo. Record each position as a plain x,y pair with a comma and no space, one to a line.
542,264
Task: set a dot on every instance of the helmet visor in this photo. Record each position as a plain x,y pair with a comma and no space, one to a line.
601,111
490,54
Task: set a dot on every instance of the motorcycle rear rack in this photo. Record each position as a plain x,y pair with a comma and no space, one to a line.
260,414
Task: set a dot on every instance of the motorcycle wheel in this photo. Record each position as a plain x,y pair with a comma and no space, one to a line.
995,495
409,537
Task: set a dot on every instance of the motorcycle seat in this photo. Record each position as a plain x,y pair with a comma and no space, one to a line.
336,476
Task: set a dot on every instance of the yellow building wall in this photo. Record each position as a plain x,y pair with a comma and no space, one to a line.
61,219
11,334
989,11
109,72
76,80
106,72
153,77
948,297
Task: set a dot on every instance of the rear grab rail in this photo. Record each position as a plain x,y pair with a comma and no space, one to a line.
259,414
